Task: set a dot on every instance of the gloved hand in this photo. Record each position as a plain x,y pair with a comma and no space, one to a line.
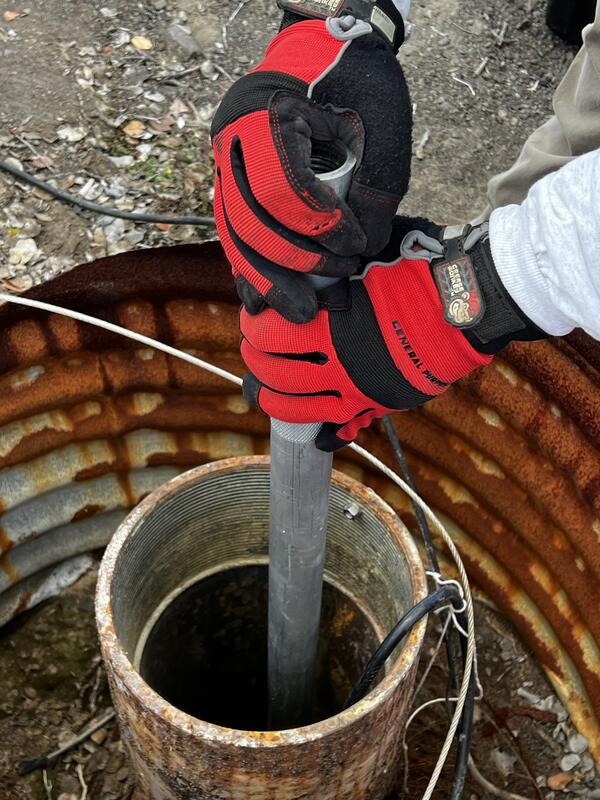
392,339
320,80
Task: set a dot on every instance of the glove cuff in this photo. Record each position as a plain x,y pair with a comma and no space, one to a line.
384,16
488,316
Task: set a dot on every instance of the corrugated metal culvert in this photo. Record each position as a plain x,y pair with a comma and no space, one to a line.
90,423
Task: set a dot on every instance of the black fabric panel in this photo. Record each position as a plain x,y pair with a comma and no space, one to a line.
388,7
251,298
251,93
369,80
503,321
289,18
291,294
364,355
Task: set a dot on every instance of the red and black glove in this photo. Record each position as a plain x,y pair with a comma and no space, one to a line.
319,81
390,340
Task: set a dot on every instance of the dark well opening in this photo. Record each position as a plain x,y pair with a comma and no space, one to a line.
207,652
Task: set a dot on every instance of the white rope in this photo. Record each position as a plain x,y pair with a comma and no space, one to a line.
462,696
173,351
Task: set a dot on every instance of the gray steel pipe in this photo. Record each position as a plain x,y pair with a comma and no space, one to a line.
300,478
192,530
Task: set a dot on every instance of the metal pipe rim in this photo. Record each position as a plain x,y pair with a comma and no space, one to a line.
134,684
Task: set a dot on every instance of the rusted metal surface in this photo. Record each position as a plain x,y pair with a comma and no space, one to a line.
200,523
510,456
43,584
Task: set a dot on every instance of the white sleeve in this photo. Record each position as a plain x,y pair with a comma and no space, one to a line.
547,250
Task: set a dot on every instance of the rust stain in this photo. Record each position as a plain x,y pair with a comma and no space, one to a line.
8,568
6,543
511,454
87,511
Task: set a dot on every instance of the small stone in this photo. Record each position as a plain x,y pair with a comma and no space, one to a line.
207,69
587,764
71,133
120,38
23,252
109,13
13,162
159,5
155,97
577,743
121,161
569,762
122,774
504,762
134,237
559,781
30,692
114,231
31,228
183,40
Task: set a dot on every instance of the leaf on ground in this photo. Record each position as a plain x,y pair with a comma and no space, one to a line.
178,107
141,43
559,781
163,125
134,128
10,16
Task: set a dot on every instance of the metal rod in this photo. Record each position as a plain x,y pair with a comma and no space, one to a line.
300,479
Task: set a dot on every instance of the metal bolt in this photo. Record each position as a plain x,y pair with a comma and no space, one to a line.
352,511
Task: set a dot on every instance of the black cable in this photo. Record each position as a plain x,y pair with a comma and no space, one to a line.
441,597
425,534
465,729
65,197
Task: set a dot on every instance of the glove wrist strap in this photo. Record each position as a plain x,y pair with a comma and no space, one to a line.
472,293
382,15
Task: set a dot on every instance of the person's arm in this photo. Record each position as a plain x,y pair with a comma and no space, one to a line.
573,130
418,320
547,249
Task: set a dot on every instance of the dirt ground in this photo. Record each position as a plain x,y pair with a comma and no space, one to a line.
114,102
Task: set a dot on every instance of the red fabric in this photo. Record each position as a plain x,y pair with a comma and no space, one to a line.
262,239
268,333
239,265
304,50
423,345
269,183
300,391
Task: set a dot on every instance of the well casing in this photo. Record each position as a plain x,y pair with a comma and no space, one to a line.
213,520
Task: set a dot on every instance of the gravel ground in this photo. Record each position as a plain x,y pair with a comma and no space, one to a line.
113,102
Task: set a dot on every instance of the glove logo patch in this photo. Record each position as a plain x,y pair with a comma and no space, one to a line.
320,9
459,292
